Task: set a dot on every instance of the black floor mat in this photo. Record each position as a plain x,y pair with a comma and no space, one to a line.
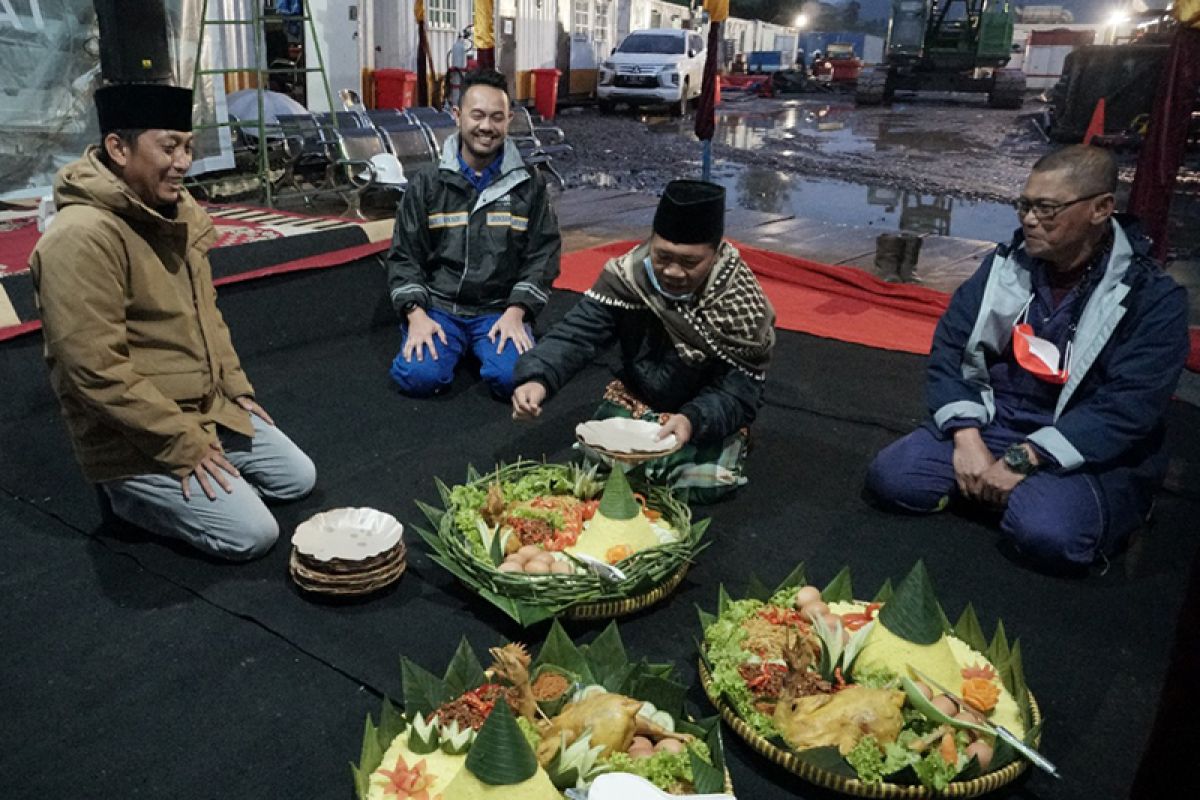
139,669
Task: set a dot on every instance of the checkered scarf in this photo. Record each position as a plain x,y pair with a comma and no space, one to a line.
730,319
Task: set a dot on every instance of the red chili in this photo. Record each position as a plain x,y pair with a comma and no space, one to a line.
856,620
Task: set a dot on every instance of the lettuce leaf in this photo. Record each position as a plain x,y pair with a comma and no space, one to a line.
664,770
874,764
934,771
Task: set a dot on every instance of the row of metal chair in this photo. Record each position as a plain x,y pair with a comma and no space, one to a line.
352,152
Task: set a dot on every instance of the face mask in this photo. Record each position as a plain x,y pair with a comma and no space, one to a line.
1038,356
654,282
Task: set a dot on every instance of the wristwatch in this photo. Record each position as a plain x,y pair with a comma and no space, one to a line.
1016,458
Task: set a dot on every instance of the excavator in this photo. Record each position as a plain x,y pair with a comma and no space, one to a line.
946,46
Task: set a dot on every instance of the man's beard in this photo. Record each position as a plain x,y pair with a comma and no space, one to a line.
483,155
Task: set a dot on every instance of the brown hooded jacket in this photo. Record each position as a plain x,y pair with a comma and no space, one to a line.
139,355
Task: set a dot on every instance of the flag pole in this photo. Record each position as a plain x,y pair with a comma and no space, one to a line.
706,111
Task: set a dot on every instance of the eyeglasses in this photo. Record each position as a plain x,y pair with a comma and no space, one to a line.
1045,210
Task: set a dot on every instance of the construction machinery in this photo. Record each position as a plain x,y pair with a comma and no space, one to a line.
839,65
946,46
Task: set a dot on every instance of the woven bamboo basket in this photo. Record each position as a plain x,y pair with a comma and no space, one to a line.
988,782
609,609
630,458
652,573
346,584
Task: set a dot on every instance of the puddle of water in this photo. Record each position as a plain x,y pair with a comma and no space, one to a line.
766,190
759,189
833,127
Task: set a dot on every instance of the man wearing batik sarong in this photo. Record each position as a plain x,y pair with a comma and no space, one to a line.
695,332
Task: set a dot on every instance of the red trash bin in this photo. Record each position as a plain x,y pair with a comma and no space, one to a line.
545,91
395,88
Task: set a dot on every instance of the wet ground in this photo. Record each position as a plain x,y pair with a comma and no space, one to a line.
942,165
930,167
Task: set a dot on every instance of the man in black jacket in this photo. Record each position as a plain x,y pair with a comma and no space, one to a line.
696,333
475,250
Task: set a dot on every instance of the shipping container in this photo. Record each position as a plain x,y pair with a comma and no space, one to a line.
1040,50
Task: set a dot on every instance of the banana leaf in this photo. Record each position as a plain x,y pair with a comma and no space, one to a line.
723,599
840,589
998,651
794,579
827,759
391,724
370,757
757,590
968,629
885,592
423,691
500,756
913,612
707,778
464,672
666,695
558,649
607,659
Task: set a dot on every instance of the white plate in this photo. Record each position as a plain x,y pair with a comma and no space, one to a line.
351,534
620,435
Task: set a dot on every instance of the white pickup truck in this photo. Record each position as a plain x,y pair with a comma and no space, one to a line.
655,66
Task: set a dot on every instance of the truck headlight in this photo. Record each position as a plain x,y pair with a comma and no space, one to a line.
674,77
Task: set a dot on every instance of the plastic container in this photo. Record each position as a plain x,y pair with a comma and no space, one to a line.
395,88
545,91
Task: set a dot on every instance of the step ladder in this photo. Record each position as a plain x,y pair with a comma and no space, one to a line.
262,72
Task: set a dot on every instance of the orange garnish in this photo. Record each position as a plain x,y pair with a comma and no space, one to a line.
980,694
947,750
409,783
618,552
985,671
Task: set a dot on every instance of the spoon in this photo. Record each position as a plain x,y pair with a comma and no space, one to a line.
626,786
606,571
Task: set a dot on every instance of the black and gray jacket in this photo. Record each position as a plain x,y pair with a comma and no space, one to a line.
470,253
717,398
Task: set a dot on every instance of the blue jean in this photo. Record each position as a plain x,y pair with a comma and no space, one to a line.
235,525
429,376
1053,519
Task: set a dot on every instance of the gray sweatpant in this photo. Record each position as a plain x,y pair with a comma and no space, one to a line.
236,525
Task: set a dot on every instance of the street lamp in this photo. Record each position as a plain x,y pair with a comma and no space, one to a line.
1116,19
801,21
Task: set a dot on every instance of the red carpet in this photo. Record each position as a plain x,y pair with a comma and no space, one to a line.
834,302
18,237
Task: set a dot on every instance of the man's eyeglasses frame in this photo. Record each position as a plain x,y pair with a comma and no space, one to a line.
1047,211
